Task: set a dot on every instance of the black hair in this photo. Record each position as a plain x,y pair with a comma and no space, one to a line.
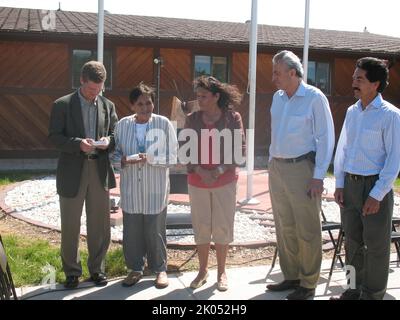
139,90
376,70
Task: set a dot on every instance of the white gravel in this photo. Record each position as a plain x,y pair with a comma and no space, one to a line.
38,201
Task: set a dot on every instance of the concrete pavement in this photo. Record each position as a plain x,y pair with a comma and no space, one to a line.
246,283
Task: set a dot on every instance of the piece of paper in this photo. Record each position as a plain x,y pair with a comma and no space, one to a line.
100,143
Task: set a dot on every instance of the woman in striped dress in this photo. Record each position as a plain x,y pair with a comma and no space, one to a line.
146,145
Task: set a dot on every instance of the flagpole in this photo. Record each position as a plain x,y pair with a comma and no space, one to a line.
100,31
252,102
306,39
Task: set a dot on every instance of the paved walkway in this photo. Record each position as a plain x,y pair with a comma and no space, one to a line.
244,284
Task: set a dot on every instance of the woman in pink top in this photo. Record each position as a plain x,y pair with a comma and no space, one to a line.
213,177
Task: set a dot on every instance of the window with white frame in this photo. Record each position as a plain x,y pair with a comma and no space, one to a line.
216,66
319,76
80,57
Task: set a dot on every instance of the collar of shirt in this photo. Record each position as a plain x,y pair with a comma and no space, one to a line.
300,92
86,102
148,122
376,103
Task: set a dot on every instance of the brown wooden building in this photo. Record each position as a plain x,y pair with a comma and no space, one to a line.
41,54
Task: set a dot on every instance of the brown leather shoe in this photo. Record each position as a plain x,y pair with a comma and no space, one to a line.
284,285
161,280
132,278
301,293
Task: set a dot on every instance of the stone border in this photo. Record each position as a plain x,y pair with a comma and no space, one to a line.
170,244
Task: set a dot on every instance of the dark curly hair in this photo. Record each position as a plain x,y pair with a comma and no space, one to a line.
139,90
376,70
229,95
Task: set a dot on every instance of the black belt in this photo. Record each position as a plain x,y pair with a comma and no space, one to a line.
310,156
357,177
91,156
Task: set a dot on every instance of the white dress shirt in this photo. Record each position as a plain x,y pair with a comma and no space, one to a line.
145,187
302,124
369,144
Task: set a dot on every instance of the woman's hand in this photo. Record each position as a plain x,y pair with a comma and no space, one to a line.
142,159
206,175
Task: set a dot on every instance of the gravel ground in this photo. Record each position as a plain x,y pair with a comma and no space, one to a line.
38,201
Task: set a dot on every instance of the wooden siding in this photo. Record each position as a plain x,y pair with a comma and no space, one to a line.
33,65
134,64
343,74
177,67
392,92
34,74
240,70
24,121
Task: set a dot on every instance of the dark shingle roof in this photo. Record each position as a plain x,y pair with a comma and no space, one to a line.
158,28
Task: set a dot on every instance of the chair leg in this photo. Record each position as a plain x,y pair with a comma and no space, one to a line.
335,245
397,246
274,258
337,252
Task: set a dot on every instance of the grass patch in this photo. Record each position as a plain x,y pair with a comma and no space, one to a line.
27,260
397,185
8,177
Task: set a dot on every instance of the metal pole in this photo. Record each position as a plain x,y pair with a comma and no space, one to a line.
306,40
158,62
158,85
252,103
100,31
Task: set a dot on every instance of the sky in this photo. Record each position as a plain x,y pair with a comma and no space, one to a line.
378,16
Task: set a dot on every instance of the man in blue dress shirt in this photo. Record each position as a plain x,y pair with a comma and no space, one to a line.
367,162
302,140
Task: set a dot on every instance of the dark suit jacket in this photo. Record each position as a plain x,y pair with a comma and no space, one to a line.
66,130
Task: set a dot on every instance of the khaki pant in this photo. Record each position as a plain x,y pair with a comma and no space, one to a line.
213,213
297,221
97,205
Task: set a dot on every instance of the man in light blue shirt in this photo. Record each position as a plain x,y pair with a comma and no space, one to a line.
302,141
367,162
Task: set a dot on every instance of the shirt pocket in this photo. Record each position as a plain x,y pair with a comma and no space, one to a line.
296,124
371,139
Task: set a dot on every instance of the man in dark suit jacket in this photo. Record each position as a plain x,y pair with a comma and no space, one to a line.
82,129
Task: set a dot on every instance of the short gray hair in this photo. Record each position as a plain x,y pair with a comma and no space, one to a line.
291,60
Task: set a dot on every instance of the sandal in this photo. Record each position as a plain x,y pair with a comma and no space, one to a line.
222,284
198,283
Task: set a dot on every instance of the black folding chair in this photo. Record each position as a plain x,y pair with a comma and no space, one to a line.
180,220
328,226
395,239
7,289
